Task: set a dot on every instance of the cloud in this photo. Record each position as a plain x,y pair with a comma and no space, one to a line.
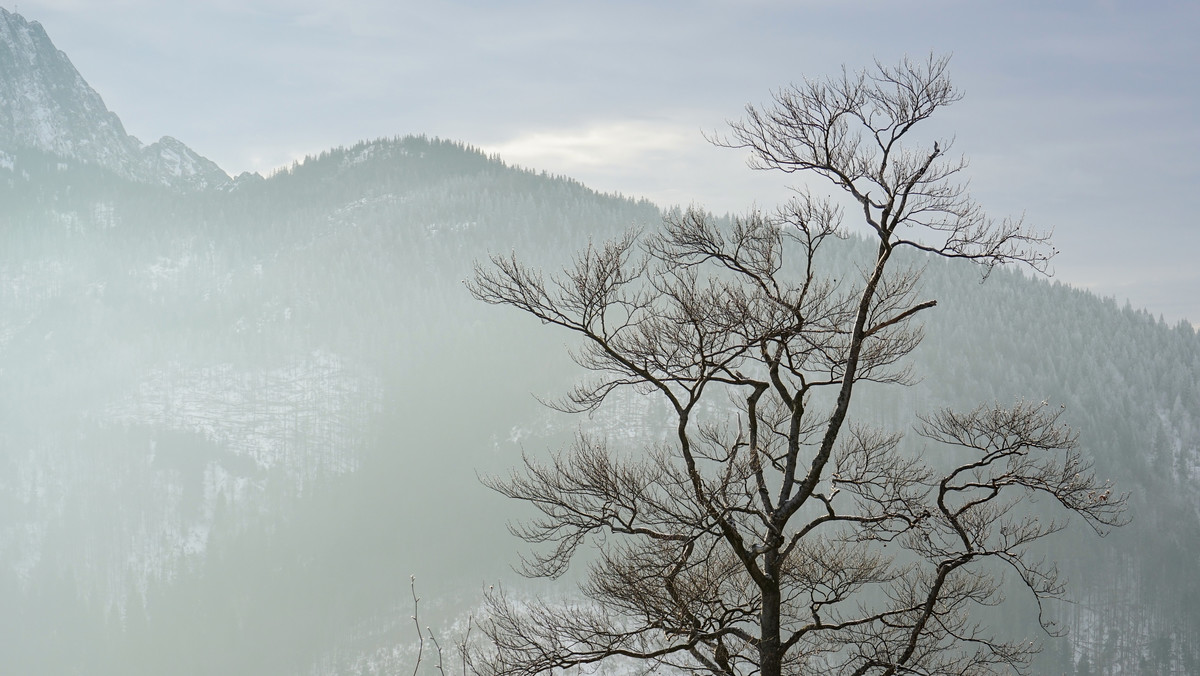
620,143
667,161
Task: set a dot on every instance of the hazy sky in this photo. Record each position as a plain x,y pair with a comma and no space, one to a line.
1082,115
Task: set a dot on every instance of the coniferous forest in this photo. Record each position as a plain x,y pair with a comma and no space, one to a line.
245,422
237,420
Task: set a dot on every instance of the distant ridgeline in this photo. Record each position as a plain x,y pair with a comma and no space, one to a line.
236,414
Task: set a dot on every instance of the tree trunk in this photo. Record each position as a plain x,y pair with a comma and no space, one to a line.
770,653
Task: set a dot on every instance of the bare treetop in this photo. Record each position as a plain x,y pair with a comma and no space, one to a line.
770,535
857,130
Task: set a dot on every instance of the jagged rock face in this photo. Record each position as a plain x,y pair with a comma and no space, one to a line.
46,105
170,162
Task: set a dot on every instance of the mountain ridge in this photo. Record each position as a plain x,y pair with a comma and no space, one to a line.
281,394
46,105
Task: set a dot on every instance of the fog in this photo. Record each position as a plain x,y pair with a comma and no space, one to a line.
236,422
242,419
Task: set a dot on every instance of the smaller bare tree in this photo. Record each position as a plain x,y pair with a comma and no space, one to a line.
771,535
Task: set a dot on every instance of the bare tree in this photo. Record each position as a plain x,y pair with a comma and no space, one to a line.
772,535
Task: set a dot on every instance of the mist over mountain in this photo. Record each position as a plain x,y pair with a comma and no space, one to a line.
236,415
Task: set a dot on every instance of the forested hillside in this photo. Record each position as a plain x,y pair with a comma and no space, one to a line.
276,392
233,421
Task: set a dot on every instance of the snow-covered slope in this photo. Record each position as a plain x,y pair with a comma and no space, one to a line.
46,105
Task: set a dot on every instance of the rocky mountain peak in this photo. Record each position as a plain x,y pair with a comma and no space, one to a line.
46,105
171,162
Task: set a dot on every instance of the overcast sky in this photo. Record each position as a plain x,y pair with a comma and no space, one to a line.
1082,115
